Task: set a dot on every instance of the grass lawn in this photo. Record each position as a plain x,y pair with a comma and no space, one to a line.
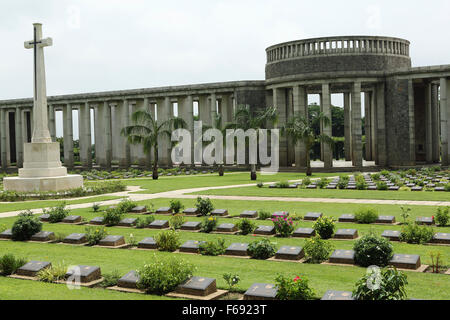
185,182
25,205
331,194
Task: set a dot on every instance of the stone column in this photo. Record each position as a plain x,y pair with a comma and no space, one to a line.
213,108
428,123
435,123
356,125
85,139
3,138
289,115
8,139
68,136
381,153
51,122
164,113
136,154
300,109
445,111
103,138
19,138
327,129
279,100
123,145
186,111
226,105
373,124
204,111
347,128
412,130
368,125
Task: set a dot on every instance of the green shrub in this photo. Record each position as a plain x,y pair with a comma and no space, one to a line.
163,275
168,240
94,235
232,280
317,250
55,272
246,226
110,279
25,226
144,222
176,206
209,224
176,221
264,214
204,206
381,185
372,250
95,207
126,205
2,227
442,216
385,284
213,248
260,185
112,216
306,181
413,233
58,213
9,264
361,185
447,187
293,288
406,213
322,183
366,215
324,227
284,227
261,249
282,184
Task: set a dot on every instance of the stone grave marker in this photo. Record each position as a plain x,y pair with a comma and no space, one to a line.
191,246
159,224
226,228
43,236
406,261
343,257
312,216
139,209
85,274
148,243
347,218
75,238
279,214
346,234
394,188
261,291
311,186
129,281
441,238
198,286
237,249
337,295
392,235
249,214
164,210
439,189
191,211
385,219
290,253
265,230
98,221
31,268
416,188
304,233
127,222
112,241
425,220
72,219
191,226
219,213
6,235
45,217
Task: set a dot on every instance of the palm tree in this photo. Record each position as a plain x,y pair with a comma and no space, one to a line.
145,130
300,129
246,119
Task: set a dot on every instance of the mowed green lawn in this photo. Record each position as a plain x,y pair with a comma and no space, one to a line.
330,194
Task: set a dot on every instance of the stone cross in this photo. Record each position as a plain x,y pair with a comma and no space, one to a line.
41,134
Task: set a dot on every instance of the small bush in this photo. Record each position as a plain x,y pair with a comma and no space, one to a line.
232,280
261,249
381,185
95,234
264,214
372,250
436,261
176,206
284,227
209,224
293,288
168,240
447,187
112,216
385,284
126,205
110,279
366,215
442,216
25,226
322,183
144,222
246,226
413,233
204,206
324,227
55,272
9,264
58,213
260,185
95,207
163,275
213,248
282,184
176,221
306,181
317,250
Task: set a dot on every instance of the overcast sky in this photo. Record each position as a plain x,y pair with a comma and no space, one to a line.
104,45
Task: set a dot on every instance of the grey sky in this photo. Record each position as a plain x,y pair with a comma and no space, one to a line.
110,44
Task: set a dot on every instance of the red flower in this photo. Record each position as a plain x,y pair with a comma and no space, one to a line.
297,278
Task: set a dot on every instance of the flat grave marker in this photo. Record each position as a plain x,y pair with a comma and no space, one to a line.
342,257
191,226
164,210
312,216
261,291
279,214
98,221
392,235
337,295
385,220
6,235
72,219
264,230
191,211
290,253
347,218
31,269
441,238
43,236
346,234
45,217
226,228
85,275
406,261
237,249
425,220
148,243
304,233
249,214
191,246
76,238
112,241
219,213
139,210
127,222
159,224
199,288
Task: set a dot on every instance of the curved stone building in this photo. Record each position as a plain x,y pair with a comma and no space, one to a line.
406,109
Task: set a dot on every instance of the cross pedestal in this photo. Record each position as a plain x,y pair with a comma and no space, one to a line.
42,169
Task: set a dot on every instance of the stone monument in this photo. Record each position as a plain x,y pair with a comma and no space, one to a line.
42,169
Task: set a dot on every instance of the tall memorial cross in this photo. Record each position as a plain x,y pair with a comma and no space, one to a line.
41,134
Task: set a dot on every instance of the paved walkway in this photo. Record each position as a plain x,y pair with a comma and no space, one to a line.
184,194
